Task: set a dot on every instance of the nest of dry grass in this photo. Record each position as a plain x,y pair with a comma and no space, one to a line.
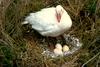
21,48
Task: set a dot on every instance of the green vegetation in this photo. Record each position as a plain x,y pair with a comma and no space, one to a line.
20,46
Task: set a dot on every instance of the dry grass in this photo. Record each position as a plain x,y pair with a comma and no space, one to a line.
20,48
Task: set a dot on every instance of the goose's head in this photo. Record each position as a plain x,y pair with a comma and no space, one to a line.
63,19
59,12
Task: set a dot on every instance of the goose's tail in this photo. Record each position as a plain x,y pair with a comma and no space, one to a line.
25,22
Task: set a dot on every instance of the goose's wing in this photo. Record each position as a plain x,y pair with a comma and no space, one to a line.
43,20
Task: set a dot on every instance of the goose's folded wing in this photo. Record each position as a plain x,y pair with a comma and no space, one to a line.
42,20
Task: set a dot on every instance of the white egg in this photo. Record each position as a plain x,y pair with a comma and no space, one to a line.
58,52
65,48
58,46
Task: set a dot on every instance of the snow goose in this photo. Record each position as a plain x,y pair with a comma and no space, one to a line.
50,22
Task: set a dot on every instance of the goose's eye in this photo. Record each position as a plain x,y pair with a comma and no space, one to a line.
62,11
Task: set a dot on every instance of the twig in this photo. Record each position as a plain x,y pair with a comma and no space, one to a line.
3,41
90,59
97,64
70,5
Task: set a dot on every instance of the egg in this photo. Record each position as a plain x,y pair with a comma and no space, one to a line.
58,46
58,52
58,49
65,48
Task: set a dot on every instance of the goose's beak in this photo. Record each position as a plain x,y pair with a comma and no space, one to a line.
58,16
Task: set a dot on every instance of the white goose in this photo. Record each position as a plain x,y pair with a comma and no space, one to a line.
53,21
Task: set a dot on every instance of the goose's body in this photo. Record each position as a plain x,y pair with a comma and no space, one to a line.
51,22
